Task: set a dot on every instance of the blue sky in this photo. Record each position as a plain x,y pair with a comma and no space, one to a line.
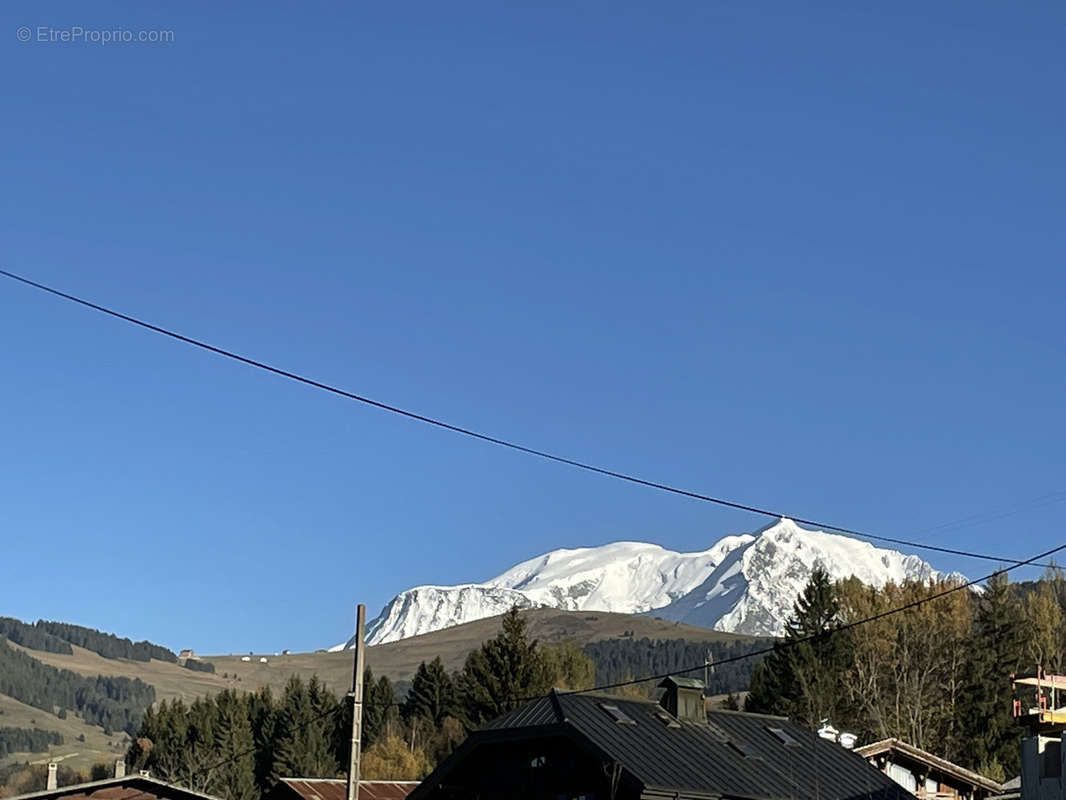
804,257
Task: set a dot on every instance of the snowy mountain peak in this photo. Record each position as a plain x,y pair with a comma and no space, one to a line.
745,583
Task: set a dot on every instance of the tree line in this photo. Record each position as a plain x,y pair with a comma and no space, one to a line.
196,665
237,746
114,703
107,645
936,675
304,731
623,659
57,637
27,740
32,637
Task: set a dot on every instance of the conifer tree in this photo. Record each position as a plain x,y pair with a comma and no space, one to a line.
432,693
234,778
262,714
502,674
803,676
304,735
996,651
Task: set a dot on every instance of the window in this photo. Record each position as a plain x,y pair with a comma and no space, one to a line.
785,737
619,716
1051,760
538,761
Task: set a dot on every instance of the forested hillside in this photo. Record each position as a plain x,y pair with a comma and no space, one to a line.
27,740
623,659
32,637
106,644
306,730
111,702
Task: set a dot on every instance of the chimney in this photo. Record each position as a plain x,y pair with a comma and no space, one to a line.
120,768
684,698
53,782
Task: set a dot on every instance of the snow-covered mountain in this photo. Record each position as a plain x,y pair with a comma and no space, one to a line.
743,584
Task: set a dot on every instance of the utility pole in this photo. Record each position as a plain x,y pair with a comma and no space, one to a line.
357,705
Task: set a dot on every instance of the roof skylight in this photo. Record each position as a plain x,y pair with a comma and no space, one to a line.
619,716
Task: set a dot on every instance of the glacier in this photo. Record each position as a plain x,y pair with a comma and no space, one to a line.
744,583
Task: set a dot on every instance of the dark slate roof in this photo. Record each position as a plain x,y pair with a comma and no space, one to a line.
735,754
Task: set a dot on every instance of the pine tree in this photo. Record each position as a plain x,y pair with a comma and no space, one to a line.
262,714
996,651
432,693
802,677
502,674
234,778
304,734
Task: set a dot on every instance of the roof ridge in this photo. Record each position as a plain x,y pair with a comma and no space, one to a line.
731,711
557,707
129,777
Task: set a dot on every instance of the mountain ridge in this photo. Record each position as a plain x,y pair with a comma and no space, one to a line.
743,583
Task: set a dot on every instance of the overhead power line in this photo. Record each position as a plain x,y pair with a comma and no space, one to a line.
484,437
825,634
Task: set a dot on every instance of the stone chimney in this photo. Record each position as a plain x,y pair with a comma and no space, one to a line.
53,782
120,768
684,699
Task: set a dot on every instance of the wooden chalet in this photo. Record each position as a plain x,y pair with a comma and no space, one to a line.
925,775
600,747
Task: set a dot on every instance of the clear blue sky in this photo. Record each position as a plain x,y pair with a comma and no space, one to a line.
810,258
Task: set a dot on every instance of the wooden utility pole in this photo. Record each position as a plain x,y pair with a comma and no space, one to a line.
357,705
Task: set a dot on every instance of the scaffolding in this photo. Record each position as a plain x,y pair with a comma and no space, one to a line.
1047,696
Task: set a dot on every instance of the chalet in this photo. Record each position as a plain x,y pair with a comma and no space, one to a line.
925,775
337,789
584,746
121,787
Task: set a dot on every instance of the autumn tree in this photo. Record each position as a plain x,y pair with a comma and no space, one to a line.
391,758
569,666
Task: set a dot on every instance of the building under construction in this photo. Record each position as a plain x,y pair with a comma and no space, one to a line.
1040,705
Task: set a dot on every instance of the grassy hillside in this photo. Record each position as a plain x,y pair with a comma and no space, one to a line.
170,680
398,660
79,755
